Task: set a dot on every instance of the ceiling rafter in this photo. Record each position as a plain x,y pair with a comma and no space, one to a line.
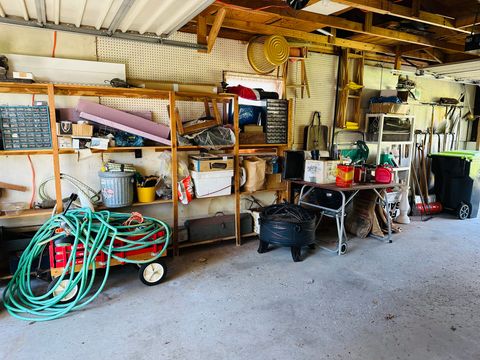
389,8
259,28
313,21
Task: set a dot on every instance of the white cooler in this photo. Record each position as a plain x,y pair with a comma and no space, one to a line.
212,183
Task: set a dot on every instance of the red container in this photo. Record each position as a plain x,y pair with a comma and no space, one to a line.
59,255
383,175
360,174
432,208
344,176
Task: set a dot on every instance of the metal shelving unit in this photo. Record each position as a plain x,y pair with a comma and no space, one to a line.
379,132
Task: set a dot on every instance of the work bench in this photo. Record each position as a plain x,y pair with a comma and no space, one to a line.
346,195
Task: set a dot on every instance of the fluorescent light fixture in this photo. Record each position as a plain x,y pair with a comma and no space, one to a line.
324,32
325,7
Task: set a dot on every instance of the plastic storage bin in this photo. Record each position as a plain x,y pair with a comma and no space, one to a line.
117,188
457,181
212,183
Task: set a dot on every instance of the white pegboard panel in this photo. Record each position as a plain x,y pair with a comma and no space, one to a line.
166,63
322,77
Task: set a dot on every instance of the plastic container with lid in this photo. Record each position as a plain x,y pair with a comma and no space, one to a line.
212,183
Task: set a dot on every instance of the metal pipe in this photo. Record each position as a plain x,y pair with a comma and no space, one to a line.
104,33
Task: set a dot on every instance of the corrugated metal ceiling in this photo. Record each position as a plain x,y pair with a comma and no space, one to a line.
159,17
460,71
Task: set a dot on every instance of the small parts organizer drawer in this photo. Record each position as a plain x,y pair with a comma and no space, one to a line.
25,127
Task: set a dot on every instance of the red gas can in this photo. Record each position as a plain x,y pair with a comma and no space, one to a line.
383,175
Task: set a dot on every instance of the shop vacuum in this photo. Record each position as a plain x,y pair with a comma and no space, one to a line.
287,225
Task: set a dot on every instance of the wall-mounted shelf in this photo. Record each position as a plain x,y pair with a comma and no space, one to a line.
53,90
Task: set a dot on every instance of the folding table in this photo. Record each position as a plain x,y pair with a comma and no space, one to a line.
347,195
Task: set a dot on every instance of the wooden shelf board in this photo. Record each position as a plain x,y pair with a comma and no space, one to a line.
158,201
263,190
26,152
119,149
196,96
195,148
186,244
28,213
248,146
107,91
135,204
47,212
21,88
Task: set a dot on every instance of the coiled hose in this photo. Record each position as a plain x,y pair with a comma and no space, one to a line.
97,232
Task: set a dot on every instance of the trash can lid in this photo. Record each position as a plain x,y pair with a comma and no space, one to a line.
469,155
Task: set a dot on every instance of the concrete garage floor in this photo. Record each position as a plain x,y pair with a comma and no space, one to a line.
418,298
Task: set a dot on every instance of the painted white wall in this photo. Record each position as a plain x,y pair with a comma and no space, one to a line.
155,62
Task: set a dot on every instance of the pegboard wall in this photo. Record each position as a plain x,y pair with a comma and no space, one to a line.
167,63
322,78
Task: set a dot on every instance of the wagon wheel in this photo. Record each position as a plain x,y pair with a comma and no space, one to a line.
60,290
463,211
152,273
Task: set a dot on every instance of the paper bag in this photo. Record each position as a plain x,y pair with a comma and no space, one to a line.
255,168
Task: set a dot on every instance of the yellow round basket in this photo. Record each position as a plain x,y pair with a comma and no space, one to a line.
266,53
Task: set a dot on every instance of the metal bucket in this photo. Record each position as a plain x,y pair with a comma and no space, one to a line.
117,188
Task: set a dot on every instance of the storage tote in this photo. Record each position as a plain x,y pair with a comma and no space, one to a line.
212,183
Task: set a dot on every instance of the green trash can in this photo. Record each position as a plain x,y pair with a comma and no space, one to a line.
457,181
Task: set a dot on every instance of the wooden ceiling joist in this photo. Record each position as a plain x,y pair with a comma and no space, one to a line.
436,55
308,22
467,21
258,28
389,8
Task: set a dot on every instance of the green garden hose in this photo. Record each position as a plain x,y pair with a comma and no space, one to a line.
96,231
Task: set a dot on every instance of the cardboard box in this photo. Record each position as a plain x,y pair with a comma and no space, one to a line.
253,129
252,138
210,162
389,108
65,142
320,171
82,130
274,182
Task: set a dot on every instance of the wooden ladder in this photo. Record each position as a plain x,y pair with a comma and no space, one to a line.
351,70
303,85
